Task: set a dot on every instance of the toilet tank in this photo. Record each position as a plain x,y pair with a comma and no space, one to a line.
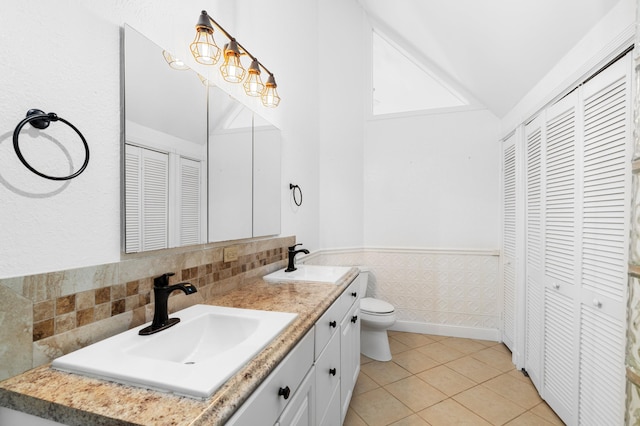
365,271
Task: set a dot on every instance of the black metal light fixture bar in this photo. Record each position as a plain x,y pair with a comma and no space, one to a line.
205,51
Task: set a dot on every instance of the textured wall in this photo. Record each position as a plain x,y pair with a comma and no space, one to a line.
452,292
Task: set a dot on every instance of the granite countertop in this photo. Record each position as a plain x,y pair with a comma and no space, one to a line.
77,400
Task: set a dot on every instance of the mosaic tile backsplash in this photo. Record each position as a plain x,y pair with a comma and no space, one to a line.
47,315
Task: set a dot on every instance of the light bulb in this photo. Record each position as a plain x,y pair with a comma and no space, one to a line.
232,70
253,84
204,48
270,96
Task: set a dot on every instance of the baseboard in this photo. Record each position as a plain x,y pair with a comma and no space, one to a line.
447,330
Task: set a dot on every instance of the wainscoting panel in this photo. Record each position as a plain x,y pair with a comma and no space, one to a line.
447,292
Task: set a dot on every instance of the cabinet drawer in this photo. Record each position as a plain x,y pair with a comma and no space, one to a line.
327,325
351,294
328,372
265,404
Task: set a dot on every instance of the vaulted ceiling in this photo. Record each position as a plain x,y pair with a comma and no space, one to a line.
495,50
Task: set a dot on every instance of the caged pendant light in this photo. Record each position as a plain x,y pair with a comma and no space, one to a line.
205,51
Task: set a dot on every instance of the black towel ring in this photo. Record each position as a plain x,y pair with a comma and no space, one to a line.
40,120
295,200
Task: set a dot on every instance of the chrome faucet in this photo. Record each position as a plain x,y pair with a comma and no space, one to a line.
292,255
161,292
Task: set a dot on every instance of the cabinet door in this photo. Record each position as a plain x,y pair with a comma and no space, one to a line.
350,356
328,372
301,409
509,240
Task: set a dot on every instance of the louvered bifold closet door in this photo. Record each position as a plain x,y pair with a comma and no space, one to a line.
155,204
560,268
534,281
509,240
146,199
190,201
606,189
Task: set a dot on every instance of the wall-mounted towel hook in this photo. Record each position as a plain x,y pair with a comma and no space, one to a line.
293,188
41,120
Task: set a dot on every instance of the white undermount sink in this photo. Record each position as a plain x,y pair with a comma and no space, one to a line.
193,358
315,273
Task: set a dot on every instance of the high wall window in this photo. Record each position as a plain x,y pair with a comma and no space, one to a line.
402,84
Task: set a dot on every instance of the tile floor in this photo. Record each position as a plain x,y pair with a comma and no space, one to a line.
438,381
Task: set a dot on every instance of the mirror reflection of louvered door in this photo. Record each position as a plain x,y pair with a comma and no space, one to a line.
508,240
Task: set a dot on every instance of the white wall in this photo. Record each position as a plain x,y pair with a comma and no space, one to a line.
432,181
342,85
592,52
47,64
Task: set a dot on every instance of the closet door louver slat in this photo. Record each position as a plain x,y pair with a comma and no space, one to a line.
155,187
190,190
509,240
559,350
132,199
560,197
601,369
534,243
604,245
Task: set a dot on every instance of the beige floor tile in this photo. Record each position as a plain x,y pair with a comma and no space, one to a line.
449,413
544,411
489,405
414,361
465,346
501,348
364,384
378,407
440,352
446,380
364,359
397,346
520,376
496,359
522,393
475,370
436,337
528,419
415,393
413,420
384,373
486,343
352,419
413,340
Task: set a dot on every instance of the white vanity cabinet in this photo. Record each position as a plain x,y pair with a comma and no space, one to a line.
267,403
337,350
319,373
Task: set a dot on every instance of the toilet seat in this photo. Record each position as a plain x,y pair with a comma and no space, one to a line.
373,306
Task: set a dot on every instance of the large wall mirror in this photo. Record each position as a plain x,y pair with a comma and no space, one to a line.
182,184
244,171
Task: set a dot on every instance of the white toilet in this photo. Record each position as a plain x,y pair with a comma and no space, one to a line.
377,316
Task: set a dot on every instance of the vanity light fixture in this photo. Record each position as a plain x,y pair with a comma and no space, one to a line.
205,51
